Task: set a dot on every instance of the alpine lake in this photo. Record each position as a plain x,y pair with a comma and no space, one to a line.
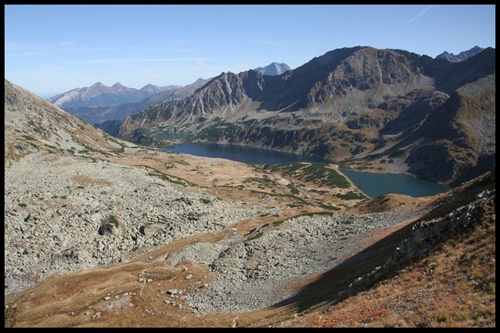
372,184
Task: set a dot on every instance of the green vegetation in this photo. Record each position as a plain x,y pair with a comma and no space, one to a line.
108,224
351,196
112,221
257,235
317,173
36,128
265,181
205,201
169,178
293,189
220,130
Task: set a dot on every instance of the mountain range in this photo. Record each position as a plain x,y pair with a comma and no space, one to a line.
99,103
99,94
431,118
464,55
95,114
102,232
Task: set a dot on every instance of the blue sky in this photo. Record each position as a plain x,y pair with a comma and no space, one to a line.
50,49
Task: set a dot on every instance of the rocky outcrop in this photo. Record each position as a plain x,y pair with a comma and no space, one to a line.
426,235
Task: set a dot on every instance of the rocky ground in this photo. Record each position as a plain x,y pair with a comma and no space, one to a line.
255,273
58,212
71,216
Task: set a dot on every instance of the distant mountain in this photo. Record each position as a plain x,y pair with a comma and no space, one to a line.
101,113
101,95
461,56
273,69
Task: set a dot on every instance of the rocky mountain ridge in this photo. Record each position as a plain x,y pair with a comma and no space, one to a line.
461,56
359,104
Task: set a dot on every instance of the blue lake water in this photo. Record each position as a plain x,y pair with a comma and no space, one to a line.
376,184
242,154
372,184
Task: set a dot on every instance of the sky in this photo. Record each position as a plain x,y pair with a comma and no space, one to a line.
51,49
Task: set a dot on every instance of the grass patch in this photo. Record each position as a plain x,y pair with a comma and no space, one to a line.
262,183
113,221
316,173
169,178
108,225
351,196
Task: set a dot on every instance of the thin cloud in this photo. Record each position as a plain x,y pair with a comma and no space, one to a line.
416,16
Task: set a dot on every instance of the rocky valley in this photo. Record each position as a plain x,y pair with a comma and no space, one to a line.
106,232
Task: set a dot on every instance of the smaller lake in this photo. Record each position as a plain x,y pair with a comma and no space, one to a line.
376,184
242,154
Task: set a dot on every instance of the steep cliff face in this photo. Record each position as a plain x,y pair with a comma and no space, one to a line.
356,103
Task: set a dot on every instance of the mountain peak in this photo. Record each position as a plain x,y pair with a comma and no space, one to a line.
464,55
97,85
273,68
